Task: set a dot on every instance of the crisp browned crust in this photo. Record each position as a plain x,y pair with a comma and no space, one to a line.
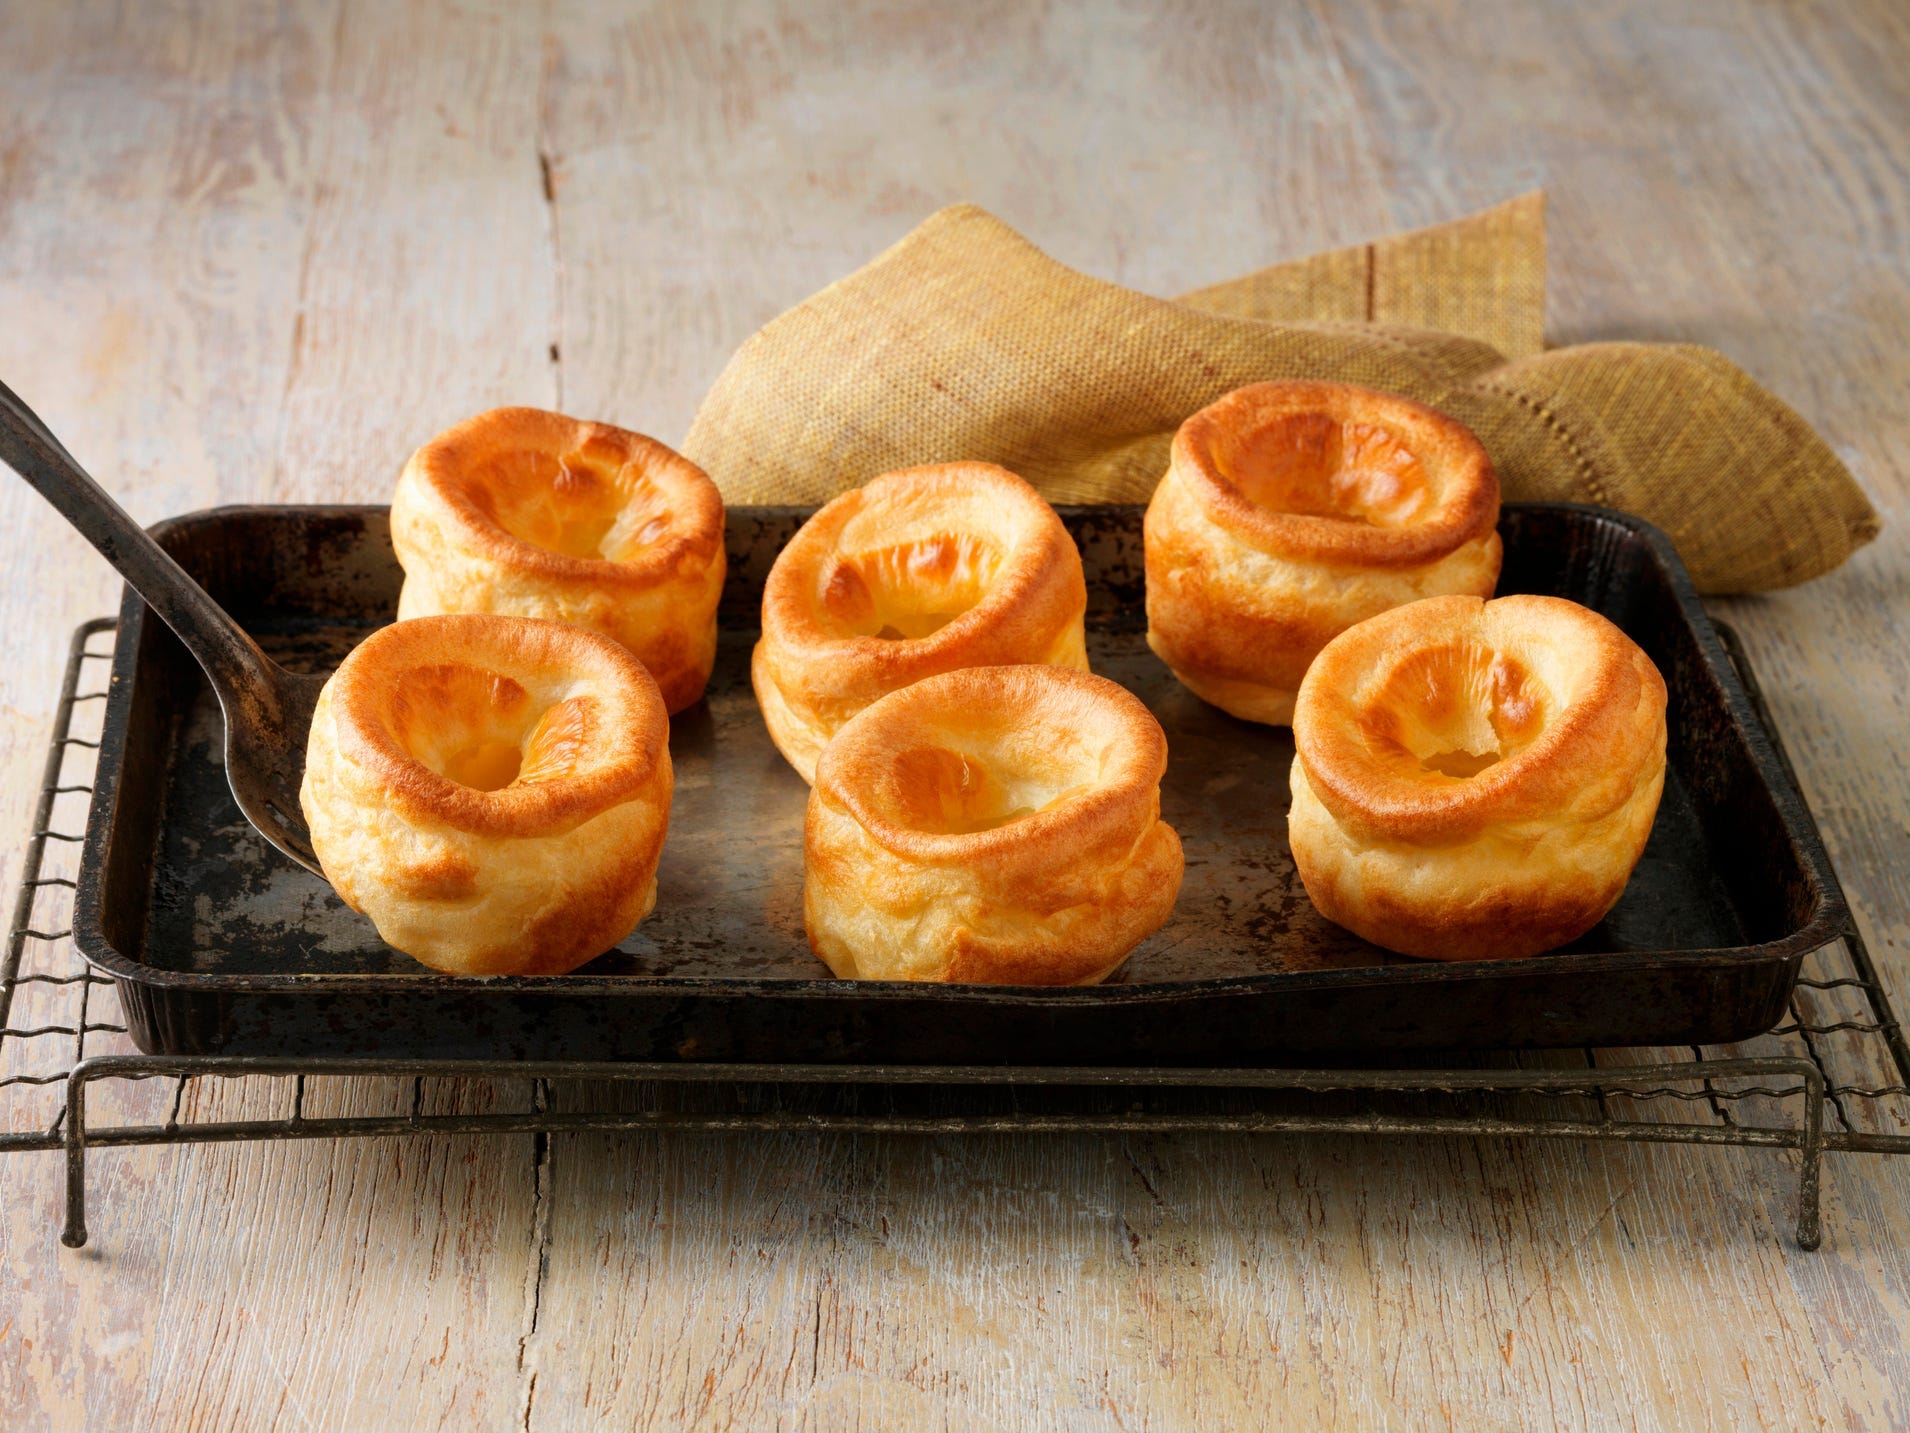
492,791
1109,743
1213,451
623,729
1291,511
455,467
972,528
993,824
1476,779
1346,726
483,513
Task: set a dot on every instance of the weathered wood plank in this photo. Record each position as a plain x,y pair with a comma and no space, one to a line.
254,254
1772,231
713,166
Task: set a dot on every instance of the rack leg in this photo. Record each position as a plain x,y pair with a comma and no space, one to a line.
74,1234
1810,1174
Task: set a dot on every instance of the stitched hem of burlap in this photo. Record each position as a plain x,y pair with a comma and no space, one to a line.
1556,427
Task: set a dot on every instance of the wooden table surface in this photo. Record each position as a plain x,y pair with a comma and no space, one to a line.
258,253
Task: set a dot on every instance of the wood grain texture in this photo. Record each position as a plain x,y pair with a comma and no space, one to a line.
258,252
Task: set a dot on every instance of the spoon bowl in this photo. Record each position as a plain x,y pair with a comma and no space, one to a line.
265,761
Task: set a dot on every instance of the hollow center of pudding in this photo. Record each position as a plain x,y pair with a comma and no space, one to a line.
911,589
1457,709
587,503
956,793
485,766
1461,764
1315,465
483,730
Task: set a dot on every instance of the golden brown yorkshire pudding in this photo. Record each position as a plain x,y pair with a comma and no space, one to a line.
923,571
491,791
1289,512
1475,780
532,514
995,825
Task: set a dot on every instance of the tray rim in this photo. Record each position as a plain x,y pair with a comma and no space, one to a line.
1829,912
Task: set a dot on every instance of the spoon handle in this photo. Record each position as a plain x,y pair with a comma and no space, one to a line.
231,659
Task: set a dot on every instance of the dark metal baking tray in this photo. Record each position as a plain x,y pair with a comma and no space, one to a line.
220,945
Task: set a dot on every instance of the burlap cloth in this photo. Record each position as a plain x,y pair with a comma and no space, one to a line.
966,341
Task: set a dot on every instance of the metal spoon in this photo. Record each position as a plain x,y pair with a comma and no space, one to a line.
268,710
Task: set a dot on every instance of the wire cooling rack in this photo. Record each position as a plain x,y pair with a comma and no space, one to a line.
1834,1076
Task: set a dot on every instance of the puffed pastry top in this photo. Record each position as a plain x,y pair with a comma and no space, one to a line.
993,824
492,791
1476,780
527,513
919,572
1291,511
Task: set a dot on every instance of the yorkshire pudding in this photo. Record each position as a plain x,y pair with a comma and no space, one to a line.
994,825
1289,512
1475,780
923,571
532,514
491,791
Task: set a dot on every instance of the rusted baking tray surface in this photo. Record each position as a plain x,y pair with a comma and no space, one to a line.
220,945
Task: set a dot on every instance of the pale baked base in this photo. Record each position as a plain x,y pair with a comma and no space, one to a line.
1249,701
1505,895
